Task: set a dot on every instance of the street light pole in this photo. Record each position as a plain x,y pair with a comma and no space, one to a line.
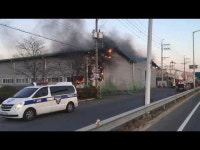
193,59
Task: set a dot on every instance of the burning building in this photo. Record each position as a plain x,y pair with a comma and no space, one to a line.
120,65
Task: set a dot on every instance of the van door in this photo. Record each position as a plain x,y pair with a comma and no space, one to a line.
61,96
42,102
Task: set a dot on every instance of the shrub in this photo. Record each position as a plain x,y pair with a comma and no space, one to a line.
6,92
108,89
86,92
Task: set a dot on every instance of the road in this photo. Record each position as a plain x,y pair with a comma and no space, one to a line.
87,113
185,117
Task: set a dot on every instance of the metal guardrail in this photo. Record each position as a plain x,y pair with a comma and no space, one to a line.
118,120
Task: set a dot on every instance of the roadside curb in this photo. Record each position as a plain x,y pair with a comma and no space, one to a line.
85,100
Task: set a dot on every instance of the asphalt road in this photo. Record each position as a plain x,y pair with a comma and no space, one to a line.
87,113
186,117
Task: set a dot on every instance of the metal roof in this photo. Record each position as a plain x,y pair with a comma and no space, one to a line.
128,57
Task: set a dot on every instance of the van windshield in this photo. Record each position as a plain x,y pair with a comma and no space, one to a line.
26,92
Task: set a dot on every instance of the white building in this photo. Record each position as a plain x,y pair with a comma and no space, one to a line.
119,71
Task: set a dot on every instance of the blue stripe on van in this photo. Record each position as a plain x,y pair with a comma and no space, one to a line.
68,96
34,101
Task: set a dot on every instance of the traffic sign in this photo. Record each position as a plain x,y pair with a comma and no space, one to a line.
193,66
96,75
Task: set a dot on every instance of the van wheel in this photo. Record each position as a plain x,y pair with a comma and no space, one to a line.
29,114
70,107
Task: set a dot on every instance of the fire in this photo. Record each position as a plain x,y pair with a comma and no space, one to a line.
110,50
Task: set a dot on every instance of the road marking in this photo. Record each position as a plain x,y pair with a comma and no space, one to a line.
188,117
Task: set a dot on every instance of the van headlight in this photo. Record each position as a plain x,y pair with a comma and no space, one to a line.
19,106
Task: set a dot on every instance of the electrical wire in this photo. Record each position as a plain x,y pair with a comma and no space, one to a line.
38,35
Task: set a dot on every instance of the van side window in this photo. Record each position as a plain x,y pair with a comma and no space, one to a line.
42,92
60,90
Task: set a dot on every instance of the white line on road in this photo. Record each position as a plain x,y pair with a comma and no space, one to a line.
188,118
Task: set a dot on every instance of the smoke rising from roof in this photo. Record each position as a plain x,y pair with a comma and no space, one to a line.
8,39
122,44
73,32
70,31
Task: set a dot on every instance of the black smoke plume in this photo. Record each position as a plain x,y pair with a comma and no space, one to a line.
74,33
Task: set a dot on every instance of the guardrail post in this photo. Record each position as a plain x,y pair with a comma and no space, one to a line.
164,107
143,116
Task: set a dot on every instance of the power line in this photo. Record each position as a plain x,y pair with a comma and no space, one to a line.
69,27
142,36
103,24
127,26
140,30
39,36
147,29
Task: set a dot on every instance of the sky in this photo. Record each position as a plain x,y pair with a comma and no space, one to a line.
178,33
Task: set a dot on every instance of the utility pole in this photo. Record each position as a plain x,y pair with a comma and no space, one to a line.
184,62
87,69
96,52
172,76
148,76
172,63
14,73
96,35
171,66
44,63
163,48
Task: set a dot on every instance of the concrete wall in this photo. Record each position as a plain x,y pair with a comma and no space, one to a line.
118,71
6,71
140,74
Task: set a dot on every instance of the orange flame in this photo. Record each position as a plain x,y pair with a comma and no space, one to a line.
110,50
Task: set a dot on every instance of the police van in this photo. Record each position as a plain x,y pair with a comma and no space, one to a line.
40,99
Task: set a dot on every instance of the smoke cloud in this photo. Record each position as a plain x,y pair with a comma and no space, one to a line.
123,45
70,31
8,38
74,33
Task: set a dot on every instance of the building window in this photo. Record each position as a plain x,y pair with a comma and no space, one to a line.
22,80
38,79
55,79
69,79
49,80
7,81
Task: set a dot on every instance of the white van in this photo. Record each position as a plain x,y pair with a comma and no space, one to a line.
35,100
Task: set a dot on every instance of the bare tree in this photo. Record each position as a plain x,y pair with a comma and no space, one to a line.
71,64
78,65
30,52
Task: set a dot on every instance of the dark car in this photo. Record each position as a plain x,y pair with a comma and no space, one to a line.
181,87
